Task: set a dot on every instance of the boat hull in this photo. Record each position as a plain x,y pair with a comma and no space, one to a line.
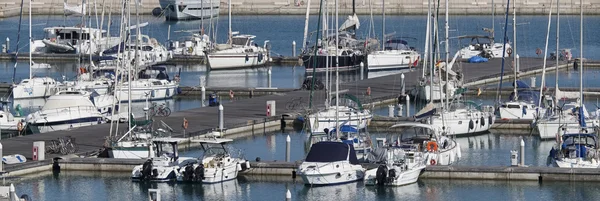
189,10
222,61
393,59
403,178
346,62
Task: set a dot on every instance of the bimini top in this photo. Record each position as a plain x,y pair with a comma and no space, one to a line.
213,140
414,125
346,129
325,152
168,139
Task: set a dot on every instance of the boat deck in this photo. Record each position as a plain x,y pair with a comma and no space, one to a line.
252,111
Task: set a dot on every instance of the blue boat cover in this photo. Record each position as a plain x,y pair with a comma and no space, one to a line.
324,152
477,59
346,129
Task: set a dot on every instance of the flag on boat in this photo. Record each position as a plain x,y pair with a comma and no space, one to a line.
478,91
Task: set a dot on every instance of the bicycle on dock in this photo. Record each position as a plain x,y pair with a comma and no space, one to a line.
159,110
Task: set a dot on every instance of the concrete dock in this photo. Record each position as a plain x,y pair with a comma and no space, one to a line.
289,170
10,8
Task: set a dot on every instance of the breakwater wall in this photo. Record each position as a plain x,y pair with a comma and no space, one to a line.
9,8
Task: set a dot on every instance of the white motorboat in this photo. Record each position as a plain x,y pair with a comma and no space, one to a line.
242,52
329,163
437,149
401,166
190,9
147,89
216,166
36,87
576,150
483,46
396,55
69,109
361,140
73,39
8,122
165,164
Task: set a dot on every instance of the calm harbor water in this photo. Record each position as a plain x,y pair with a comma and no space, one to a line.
491,149
116,186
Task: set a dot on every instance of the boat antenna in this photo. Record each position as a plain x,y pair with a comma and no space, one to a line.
18,39
498,95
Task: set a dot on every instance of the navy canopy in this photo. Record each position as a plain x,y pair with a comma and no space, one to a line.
325,152
527,95
346,129
521,85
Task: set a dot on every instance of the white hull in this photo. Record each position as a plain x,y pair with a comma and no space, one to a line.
327,119
191,9
459,122
402,178
495,51
218,61
445,156
391,59
517,113
424,93
329,174
35,88
576,163
142,90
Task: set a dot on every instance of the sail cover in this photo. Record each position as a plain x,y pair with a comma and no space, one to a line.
351,23
324,152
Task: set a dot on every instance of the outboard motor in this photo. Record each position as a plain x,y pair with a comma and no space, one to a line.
188,175
392,174
199,173
381,175
147,170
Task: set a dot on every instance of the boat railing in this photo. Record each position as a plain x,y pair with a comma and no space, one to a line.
71,110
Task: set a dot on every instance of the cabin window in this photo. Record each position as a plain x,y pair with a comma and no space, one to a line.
524,106
459,122
514,106
181,8
157,83
239,41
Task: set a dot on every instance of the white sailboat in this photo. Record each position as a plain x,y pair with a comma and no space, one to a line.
437,149
394,54
34,87
239,52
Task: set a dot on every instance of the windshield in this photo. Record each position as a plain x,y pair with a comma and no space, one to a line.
214,149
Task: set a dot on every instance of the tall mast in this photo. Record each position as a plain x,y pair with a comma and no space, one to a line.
516,97
581,56
30,41
383,27
447,55
493,20
202,17
543,83
230,32
306,26
504,41
427,36
557,52
325,45
337,73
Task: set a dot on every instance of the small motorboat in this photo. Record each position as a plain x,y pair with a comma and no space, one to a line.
401,166
165,164
216,166
330,163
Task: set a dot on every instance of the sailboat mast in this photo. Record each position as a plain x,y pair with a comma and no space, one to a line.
543,83
427,36
202,18
230,32
557,52
30,41
306,26
498,94
581,55
493,20
447,55
325,45
337,73
516,97
383,26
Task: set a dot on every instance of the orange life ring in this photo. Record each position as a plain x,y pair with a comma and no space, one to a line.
185,123
231,94
368,91
509,51
432,162
432,146
20,126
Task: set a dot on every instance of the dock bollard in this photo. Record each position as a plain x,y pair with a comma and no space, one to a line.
288,142
12,195
288,195
39,151
402,82
7,45
221,117
154,194
269,73
513,158
203,95
293,48
518,60
362,70
522,152
1,154
407,105
391,110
